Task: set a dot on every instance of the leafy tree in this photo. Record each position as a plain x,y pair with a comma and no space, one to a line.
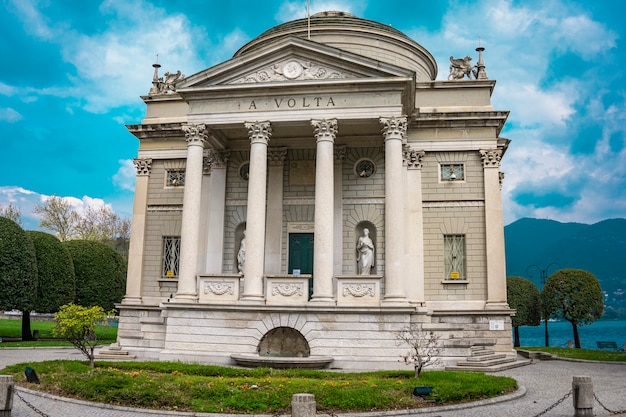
524,297
100,273
423,347
55,270
18,272
11,212
58,215
576,296
78,324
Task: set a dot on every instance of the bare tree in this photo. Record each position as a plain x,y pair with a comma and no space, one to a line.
58,215
11,212
423,346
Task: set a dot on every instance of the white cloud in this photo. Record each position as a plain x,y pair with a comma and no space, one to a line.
125,175
9,115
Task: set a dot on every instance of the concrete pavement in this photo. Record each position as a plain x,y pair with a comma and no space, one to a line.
541,385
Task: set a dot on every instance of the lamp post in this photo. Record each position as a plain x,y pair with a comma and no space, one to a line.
543,274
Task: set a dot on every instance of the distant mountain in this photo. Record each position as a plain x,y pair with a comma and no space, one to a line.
599,248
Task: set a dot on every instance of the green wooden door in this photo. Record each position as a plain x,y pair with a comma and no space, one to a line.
301,255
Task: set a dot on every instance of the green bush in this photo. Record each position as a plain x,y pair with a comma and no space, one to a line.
18,272
55,271
100,273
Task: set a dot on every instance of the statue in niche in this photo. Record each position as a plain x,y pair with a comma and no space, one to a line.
365,253
241,255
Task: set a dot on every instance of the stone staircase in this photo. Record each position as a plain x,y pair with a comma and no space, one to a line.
113,352
484,359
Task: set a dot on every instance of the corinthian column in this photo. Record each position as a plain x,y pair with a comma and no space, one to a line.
190,227
394,130
259,133
325,133
134,275
494,227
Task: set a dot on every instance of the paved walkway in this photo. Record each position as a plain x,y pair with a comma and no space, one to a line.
543,384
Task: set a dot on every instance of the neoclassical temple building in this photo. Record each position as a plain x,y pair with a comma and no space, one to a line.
311,197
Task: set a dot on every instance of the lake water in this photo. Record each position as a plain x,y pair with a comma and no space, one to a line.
561,331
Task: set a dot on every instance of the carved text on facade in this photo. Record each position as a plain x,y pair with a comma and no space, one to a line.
283,103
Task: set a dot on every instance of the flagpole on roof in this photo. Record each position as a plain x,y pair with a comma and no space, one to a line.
308,17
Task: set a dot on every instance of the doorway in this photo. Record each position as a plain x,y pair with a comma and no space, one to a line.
301,255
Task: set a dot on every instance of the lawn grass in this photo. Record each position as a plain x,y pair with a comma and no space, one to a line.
213,389
12,329
586,354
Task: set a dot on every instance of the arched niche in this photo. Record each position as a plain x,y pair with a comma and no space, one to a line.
284,342
358,232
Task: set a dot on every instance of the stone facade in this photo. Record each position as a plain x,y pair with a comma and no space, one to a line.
298,145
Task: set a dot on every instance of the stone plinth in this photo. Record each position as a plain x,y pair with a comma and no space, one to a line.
358,289
287,289
303,405
218,288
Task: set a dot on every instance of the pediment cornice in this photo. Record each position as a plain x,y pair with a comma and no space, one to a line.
292,60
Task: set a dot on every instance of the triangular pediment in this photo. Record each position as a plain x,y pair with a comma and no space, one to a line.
292,60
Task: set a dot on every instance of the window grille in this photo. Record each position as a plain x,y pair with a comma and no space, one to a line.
452,172
171,256
175,178
454,256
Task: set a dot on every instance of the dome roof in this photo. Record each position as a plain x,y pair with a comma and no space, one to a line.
360,36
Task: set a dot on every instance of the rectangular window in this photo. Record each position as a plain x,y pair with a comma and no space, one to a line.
454,256
175,178
452,172
171,256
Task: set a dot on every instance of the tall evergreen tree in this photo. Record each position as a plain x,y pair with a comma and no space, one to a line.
18,272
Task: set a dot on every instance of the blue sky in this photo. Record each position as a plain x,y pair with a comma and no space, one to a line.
72,73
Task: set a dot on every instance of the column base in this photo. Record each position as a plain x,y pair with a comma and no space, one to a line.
252,299
323,300
185,298
395,300
132,301
497,305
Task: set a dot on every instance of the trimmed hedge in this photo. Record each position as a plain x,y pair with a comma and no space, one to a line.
18,268
57,282
100,273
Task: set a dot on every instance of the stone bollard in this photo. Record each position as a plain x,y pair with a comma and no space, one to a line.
303,405
6,395
582,388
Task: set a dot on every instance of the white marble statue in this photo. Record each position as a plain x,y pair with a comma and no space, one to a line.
365,253
241,255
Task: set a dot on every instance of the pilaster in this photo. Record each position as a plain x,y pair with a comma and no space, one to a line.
196,136
414,254
215,165
274,229
494,226
134,277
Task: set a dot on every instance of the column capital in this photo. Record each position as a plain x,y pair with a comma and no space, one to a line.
195,134
413,157
325,129
394,127
501,178
259,132
277,155
340,153
491,157
214,159
143,165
